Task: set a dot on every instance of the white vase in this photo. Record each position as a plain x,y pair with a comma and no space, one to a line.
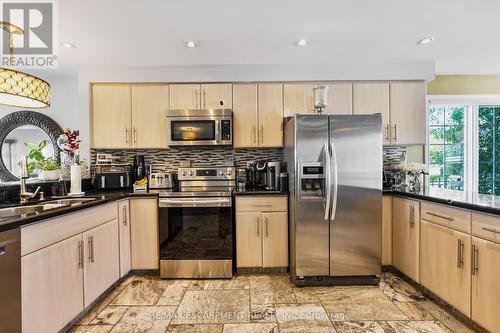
50,174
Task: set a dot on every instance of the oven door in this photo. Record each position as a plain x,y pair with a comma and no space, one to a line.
196,237
190,131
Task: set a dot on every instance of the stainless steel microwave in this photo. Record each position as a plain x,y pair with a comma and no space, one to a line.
200,127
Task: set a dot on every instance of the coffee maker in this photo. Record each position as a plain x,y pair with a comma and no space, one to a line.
274,169
139,167
260,174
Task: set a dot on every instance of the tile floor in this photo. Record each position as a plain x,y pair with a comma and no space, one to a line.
265,303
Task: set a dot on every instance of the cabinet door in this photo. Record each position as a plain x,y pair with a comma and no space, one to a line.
368,98
387,230
298,98
248,239
149,116
486,284
124,228
185,96
144,234
405,236
102,259
275,239
339,98
408,113
270,103
111,116
52,286
245,115
445,264
216,96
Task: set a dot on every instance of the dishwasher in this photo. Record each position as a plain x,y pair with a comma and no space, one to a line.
10,281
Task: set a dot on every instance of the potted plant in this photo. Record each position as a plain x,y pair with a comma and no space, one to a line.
47,168
69,142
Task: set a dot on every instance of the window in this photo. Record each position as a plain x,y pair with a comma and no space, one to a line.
464,143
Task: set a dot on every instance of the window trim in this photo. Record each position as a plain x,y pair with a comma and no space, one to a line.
471,127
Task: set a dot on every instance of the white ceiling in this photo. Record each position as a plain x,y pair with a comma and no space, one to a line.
152,32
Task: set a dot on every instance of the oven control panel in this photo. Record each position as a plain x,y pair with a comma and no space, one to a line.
209,173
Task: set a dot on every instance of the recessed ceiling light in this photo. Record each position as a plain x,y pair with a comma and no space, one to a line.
426,40
301,42
191,44
68,45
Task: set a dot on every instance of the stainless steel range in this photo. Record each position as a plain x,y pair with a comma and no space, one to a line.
196,224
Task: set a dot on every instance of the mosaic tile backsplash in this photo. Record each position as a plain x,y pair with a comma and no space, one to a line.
169,160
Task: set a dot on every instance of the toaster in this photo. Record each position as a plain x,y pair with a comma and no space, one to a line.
162,180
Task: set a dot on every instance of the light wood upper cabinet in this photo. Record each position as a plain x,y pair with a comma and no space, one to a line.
184,96
408,109
245,116
124,234
111,116
339,98
373,97
270,104
144,233
102,260
52,286
216,96
275,239
387,230
298,98
150,104
405,236
248,239
445,264
486,284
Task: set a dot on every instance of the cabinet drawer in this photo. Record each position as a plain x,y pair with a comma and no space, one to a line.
486,226
265,203
453,218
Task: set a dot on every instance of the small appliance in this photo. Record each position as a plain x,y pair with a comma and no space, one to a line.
200,127
139,167
166,180
113,176
260,174
283,182
273,175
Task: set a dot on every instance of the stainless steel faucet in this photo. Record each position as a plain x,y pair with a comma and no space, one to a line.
24,195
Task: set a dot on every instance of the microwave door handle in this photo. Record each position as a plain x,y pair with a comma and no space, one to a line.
334,182
327,199
217,131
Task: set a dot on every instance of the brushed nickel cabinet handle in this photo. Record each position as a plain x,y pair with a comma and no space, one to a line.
261,133
124,209
412,216
80,254
135,135
258,227
395,133
492,230
267,228
196,98
474,257
254,134
91,248
449,218
204,99
387,139
460,253
126,134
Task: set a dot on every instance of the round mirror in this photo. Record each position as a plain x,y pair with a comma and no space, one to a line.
22,132
17,144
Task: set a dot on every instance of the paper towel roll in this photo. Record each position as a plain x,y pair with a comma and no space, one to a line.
76,179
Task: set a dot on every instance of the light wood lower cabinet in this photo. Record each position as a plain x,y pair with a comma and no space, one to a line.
445,264
102,260
387,230
486,284
124,233
52,286
144,233
405,236
261,233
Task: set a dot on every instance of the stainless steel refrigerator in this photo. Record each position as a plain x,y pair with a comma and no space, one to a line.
335,167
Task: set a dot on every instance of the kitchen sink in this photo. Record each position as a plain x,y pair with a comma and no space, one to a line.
48,205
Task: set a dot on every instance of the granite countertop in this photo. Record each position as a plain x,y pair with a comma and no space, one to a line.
102,197
257,191
464,199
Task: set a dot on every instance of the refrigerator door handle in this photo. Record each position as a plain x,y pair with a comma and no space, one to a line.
334,182
327,200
